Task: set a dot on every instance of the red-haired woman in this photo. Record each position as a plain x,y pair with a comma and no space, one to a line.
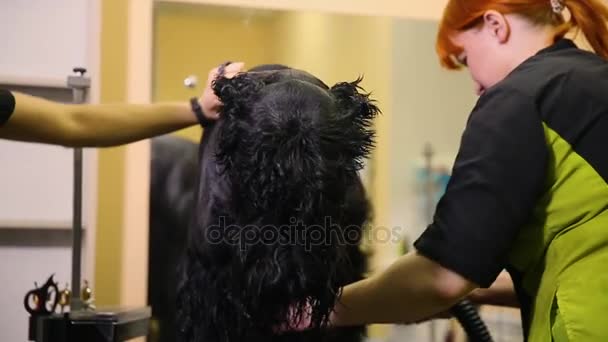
529,190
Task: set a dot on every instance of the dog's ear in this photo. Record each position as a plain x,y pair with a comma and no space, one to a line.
352,127
237,93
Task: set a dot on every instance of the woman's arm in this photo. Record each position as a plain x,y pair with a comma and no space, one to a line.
38,120
412,289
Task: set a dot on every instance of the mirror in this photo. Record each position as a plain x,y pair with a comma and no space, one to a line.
424,111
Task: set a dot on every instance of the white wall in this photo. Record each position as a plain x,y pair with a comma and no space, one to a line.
43,41
37,185
42,38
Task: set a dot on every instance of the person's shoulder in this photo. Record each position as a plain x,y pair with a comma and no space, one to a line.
502,96
503,103
564,69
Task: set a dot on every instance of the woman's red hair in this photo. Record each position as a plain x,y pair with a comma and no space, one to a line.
590,16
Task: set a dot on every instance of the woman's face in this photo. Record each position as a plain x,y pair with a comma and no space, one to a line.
479,55
487,50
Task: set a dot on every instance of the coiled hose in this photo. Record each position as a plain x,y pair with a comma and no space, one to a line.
471,322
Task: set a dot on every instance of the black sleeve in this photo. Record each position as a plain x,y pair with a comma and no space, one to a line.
498,176
7,105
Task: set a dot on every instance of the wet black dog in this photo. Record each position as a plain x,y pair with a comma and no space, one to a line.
280,208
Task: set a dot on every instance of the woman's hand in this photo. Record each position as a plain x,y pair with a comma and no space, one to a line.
210,103
501,293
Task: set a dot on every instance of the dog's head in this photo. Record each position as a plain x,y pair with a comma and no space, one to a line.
280,203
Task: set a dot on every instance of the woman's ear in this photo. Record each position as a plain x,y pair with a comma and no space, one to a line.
497,25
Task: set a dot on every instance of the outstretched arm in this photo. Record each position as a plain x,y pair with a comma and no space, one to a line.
410,290
38,120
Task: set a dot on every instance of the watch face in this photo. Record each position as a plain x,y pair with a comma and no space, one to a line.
7,105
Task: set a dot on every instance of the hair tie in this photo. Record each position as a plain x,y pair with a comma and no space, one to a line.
557,6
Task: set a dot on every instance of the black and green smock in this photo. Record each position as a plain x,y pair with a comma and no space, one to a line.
529,194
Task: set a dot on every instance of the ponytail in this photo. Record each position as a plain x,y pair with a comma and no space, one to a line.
591,17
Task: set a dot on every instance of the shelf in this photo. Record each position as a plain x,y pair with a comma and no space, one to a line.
36,225
34,82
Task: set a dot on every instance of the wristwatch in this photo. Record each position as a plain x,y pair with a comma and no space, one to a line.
7,105
196,106
198,111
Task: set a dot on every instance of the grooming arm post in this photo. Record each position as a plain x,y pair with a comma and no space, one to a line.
79,85
429,206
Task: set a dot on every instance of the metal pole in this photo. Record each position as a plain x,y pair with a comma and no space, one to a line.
79,85
429,208
430,185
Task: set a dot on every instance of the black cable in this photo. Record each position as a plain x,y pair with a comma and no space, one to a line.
471,322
